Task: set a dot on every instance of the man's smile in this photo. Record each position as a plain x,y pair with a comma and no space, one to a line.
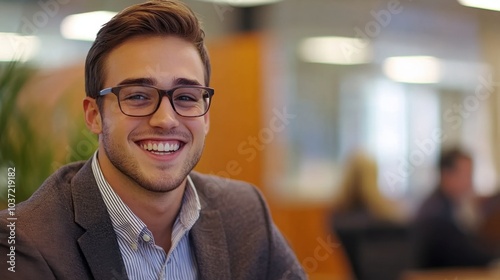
161,147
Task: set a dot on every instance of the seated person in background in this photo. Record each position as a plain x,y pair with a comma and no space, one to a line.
359,198
369,226
446,224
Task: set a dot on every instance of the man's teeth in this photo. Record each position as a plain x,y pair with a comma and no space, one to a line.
161,147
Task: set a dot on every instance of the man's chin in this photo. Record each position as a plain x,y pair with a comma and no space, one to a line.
162,182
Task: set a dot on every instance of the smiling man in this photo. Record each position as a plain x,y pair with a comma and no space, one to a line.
136,210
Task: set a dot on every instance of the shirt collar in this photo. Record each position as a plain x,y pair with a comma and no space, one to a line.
191,207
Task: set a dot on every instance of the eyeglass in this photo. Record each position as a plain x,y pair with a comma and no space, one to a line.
144,100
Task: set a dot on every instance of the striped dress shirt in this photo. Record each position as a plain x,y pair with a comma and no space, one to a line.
142,257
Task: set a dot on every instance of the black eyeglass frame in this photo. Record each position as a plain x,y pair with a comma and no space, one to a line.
161,92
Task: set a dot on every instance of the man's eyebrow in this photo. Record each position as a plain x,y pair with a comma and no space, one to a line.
186,82
134,81
152,82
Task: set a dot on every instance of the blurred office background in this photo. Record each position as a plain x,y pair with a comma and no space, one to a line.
300,86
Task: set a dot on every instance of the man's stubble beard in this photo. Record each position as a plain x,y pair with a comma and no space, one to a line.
130,168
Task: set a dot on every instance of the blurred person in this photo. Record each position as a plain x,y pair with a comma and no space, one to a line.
364,219
136,209
360,195
446,224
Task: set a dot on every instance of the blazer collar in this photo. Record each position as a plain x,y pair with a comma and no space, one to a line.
208,236
98,243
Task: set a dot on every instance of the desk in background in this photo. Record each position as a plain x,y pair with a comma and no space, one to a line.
454,274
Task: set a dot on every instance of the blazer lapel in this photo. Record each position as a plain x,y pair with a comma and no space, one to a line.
210,246
98,243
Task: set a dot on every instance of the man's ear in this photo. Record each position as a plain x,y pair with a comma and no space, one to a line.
93,118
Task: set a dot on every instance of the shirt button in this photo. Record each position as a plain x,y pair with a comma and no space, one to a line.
133,246
146,237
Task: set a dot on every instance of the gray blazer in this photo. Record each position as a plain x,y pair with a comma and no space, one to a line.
64,232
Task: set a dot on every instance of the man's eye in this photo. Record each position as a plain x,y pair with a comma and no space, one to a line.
136,96
186,97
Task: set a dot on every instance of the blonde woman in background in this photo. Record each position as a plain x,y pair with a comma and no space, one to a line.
360,193
370,227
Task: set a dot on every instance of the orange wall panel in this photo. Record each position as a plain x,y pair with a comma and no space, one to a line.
235,115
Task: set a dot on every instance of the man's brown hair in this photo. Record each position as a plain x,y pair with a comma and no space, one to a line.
154,18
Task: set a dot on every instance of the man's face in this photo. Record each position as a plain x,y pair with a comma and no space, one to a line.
125,141
458,181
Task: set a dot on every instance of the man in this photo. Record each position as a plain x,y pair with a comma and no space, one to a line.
136,210
447,223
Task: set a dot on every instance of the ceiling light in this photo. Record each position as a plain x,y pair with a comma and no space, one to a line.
413,69
84,26
335,50
482,4
242,3
16,47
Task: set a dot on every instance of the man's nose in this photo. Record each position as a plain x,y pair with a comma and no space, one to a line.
165,116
